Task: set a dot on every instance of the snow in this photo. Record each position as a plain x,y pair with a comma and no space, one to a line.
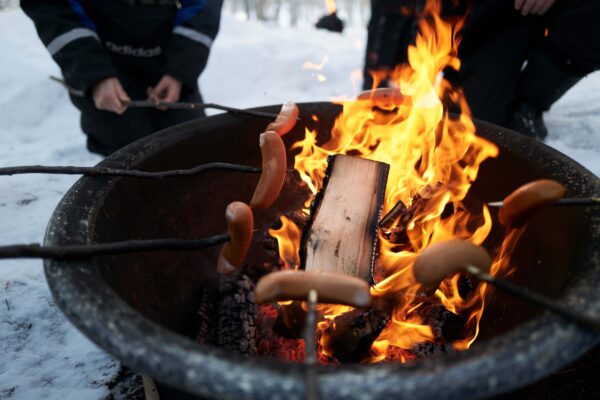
41,355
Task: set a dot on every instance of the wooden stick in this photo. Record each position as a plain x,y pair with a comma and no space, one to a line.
104,171
172,105
193,106
35,250
584,201
342,235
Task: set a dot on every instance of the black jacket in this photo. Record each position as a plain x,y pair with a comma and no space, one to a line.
92,40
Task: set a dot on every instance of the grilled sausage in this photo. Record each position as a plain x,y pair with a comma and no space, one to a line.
240,223
274,166
527,199
443,259
331,288
286,119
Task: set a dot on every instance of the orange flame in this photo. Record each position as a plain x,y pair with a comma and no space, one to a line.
434,157
288,242
331,8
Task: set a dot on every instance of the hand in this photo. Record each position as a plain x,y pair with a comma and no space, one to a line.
537,7
168,89
109,95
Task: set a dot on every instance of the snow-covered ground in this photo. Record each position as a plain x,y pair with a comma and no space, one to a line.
41,354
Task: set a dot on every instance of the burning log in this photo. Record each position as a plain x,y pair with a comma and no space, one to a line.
342,234
395,223
349,336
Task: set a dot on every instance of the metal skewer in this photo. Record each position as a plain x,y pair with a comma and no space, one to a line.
535,298
310,357
585,201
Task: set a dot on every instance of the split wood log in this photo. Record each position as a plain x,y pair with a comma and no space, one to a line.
395,223
342,234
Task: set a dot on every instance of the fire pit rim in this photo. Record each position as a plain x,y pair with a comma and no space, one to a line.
106,319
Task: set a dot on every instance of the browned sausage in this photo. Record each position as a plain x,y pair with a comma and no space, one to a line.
240,224
286,119
383,97
443,259
527,199
331,288
274,164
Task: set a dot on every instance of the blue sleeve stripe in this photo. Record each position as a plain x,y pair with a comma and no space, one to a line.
188,9
83,18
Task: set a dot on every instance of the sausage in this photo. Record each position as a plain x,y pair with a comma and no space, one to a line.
240,223
383,97
331,288
274,164
286,119
527,199
442,259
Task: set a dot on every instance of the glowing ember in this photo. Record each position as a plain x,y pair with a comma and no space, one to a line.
434,157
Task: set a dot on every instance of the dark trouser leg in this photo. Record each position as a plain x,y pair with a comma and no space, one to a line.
558,62
570,51
496,43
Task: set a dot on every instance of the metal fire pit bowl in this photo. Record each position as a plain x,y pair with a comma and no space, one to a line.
141,308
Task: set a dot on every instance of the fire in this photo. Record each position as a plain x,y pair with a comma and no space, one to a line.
434,158
288,243
331,8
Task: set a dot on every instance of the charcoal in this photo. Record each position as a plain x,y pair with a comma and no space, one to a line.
206,317
429,349
351,335
237,315
445,325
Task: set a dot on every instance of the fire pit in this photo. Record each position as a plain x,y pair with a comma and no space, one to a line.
141,308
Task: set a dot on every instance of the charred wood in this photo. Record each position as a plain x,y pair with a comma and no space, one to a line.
236,322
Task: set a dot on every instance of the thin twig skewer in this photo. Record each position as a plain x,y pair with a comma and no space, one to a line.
584,201
173,105
104,171
35,250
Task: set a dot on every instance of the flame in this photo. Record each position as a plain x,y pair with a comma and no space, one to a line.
288,242
331,8
434,158
316,67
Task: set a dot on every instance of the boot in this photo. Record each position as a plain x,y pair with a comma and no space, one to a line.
544,80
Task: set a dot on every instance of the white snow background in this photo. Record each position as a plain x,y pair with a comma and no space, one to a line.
42,356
